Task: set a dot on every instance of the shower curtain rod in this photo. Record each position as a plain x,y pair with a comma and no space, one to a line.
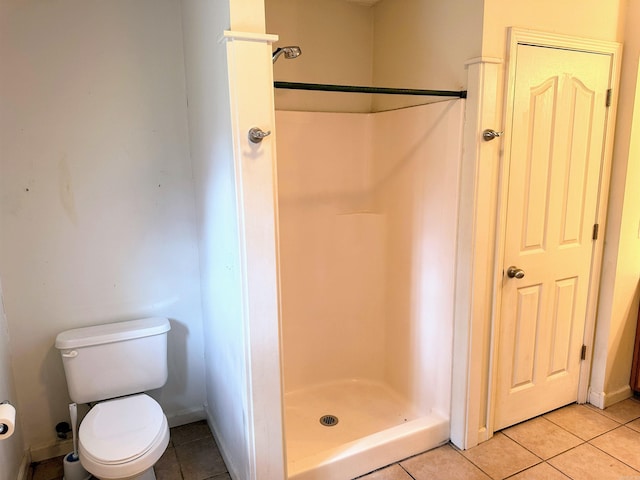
356,89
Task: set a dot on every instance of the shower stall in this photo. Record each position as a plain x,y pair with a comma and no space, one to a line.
368,169
328,237
367,236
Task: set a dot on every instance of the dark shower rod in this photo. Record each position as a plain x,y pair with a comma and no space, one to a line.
356,89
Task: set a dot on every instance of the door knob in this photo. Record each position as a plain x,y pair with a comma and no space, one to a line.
515,272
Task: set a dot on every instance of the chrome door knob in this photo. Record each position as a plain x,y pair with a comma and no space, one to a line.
515,272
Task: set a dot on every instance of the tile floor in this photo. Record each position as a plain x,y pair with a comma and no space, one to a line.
577,442
192,454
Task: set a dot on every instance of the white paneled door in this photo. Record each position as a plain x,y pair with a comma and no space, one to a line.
556,155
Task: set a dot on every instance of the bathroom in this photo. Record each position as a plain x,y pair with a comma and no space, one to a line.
98,152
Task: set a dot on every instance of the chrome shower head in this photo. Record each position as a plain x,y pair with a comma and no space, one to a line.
289,52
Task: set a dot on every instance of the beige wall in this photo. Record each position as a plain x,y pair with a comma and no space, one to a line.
614,336
424,45
395,43
588,18
618,308
336,40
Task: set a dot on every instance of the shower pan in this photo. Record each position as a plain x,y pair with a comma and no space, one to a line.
367,237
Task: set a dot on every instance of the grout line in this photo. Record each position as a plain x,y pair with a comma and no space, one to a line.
408,473
607,453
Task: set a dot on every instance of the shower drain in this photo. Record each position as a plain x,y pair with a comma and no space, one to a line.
328,420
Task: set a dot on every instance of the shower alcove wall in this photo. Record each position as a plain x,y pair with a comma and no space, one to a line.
367,229
368,189
347,186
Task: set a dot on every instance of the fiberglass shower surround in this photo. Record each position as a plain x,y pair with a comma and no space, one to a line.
367,227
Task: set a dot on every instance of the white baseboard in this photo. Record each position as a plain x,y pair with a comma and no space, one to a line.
57,449
603,400
231,467
62,447
188,415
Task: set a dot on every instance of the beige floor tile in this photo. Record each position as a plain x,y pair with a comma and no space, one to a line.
500,457
621,443
167,468
394,472
586,462
542,471
443,463
582,421
542,437
622,412
190,432
200,459
635,425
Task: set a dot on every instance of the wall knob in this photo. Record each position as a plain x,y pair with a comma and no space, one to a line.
490,134
257,134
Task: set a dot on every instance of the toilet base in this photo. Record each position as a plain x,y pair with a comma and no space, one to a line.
148,474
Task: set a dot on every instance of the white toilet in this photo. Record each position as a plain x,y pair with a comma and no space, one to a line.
125,434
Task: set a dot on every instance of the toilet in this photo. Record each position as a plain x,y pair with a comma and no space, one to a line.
110,366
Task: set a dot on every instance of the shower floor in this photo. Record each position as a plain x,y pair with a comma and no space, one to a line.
365,411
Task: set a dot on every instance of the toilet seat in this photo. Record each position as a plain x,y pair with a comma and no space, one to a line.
123,437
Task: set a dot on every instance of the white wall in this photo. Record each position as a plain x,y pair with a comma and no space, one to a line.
229,86
332,255
97,217
212,156
13,456
417,154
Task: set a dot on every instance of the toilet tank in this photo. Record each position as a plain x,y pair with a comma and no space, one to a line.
115,359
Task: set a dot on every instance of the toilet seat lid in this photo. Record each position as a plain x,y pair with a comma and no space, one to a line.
117,431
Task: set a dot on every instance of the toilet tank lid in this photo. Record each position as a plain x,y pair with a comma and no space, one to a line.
112,332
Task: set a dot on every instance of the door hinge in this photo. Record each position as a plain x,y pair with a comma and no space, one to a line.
609,95
583,352
596,227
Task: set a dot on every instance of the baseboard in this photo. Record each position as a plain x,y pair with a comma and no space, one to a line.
62,447
188,415
23,472
58,449
233,471
603,400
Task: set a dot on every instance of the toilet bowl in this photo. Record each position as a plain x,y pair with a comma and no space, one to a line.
123,438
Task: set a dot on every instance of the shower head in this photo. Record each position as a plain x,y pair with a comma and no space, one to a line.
289,52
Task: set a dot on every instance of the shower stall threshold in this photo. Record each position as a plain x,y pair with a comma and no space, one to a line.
374,428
